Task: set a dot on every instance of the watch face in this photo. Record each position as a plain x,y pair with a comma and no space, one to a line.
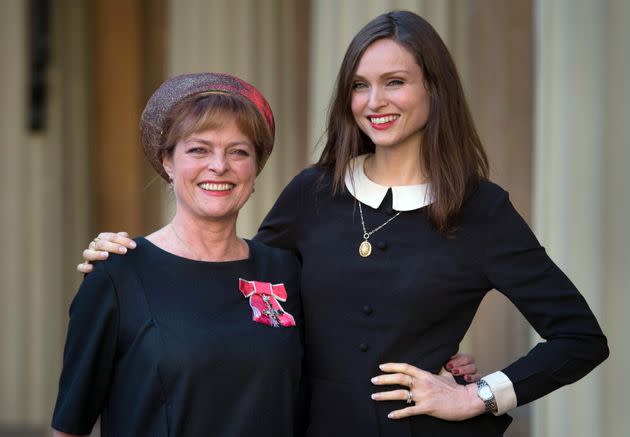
485,393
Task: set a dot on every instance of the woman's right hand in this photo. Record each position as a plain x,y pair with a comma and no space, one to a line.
99,248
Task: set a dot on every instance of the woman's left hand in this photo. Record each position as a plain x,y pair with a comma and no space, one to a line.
426,393
463,364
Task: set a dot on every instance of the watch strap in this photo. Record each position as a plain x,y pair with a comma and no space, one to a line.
490,403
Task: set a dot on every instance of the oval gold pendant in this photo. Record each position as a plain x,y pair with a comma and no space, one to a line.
365,249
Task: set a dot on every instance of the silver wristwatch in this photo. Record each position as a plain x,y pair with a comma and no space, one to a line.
485,394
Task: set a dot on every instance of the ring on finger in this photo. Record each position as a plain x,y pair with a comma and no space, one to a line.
409,397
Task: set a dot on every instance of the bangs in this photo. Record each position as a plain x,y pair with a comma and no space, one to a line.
212,111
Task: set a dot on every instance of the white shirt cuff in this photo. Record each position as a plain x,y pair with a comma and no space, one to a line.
503,391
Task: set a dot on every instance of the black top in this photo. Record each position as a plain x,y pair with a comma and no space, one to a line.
413,300
161,345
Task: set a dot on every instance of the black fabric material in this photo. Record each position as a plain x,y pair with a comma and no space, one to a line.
165,346
423,291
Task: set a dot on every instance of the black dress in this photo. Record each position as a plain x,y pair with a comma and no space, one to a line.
413,299
160,345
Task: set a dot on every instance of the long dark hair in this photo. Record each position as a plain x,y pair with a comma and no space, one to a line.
451,152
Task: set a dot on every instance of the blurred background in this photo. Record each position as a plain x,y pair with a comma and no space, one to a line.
547,81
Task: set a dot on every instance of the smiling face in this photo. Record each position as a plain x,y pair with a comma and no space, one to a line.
389,102
213,172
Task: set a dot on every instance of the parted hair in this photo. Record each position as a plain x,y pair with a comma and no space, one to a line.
452,154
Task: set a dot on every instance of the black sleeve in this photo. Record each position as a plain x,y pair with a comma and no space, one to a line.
88,358
519,267
281,226
304,394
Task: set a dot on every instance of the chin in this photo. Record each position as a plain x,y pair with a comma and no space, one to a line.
386,144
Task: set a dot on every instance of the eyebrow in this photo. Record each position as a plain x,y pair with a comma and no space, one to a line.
388,73
209,143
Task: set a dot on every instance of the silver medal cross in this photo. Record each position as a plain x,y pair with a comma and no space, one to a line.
271,312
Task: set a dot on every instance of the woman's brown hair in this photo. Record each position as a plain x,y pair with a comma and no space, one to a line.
210,111
451,152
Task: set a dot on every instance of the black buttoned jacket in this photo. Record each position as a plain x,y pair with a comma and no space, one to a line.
413,299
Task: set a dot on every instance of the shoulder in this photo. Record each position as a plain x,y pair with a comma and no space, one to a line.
488,192
311,174
491,208
116,263
271,262
97,293
302,189
486,198
262,253
310,179
275,265
117,267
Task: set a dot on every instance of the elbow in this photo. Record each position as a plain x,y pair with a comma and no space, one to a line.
589,353
603,351
597,351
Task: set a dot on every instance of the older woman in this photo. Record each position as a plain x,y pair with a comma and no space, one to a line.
195,332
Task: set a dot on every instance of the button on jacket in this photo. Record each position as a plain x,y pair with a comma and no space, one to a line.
413,299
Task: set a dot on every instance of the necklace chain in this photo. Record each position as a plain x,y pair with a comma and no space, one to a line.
367,234
199,258
187,246
365,248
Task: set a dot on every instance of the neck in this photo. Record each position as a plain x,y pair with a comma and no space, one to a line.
201,240
395,166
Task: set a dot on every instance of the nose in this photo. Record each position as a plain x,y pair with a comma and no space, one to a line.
377,98
218,163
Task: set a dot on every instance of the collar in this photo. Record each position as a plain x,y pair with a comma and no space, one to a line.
404,197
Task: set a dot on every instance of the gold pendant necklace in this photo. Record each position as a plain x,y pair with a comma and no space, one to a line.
365,248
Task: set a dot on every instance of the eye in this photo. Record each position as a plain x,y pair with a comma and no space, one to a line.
358,85
196,150
395,82
240,152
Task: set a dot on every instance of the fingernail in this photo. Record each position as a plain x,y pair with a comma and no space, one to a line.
449,366
122,250
390,415
455,372
374,380
374,396
381,366
104,255
133,244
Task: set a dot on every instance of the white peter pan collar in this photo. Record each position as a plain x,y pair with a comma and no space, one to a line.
404,197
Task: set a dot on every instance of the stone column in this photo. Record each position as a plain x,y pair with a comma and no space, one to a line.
581,204
44,209
13,79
